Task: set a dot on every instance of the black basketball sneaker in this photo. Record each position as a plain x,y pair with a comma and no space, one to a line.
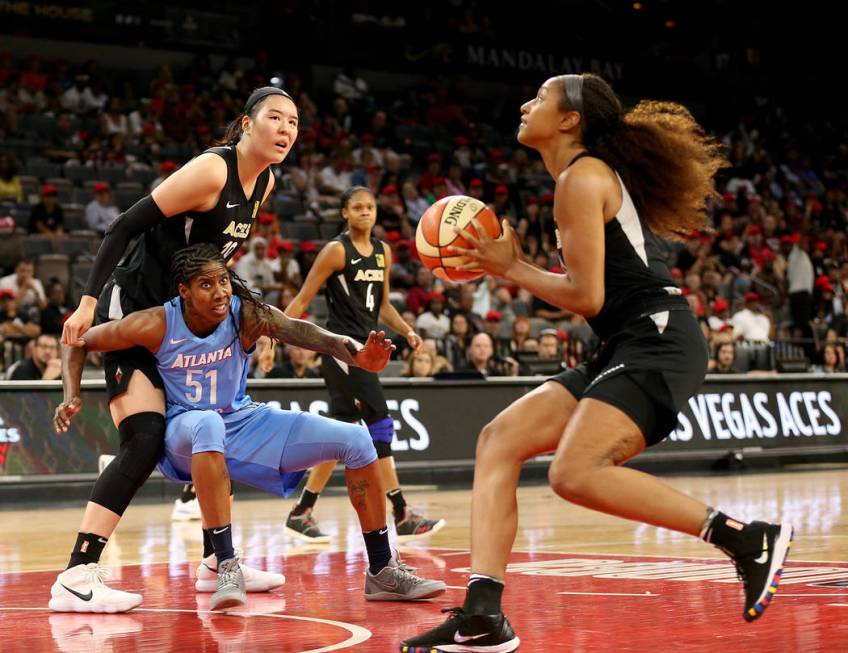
760,571
465,633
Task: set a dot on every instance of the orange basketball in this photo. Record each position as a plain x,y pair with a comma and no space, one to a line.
435,234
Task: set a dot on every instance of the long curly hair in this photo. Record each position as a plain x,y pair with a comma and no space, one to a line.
665,158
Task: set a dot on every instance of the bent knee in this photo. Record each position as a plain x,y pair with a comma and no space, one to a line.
496,441
359,450
209,431
571,482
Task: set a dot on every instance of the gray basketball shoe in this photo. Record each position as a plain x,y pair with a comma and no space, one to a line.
397,582
231,591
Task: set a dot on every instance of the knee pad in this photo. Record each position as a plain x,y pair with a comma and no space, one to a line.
384,449
142,445
360,449
382,430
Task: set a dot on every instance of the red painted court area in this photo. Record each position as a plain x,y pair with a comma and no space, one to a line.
555,601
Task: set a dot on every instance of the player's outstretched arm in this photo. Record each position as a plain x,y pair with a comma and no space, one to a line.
143,328
263,320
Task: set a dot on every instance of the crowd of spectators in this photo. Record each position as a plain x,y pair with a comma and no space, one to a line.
768,282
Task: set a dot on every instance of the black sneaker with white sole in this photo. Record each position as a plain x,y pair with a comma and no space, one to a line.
761,573
465,633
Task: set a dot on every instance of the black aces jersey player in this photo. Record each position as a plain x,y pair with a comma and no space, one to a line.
355,268
213,198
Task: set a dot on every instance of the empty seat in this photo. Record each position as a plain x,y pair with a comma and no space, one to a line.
11,248
124,199
36,246
79,278
329,230
303,230
43,169
53,266
393,368
75,246
80,174
74,217
113,175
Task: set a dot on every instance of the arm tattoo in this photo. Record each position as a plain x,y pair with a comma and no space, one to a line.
281,328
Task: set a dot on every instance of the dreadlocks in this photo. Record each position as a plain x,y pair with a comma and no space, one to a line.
188,263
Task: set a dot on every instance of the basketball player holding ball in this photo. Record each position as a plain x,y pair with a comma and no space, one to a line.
355,266
623,178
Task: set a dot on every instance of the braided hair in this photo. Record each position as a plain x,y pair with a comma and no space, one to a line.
188,263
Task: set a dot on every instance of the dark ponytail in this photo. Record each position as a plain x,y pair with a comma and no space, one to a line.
665,158
251,108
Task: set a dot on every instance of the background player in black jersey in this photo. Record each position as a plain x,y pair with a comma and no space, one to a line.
622,179
213,198
355,267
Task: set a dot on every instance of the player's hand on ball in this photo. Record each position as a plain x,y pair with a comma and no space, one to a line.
65,412
495,256
375,354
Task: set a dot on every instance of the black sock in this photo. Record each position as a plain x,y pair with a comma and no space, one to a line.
188,494
222,542
87,549
729,535
379,551
483,595
306,501
398,503
208,549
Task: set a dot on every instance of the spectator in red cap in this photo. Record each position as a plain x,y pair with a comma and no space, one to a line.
433,170
15,322
166,169
720,317
418,295
503,206
751,323
492,324
308,253
391,211
46,217
475,189
101,211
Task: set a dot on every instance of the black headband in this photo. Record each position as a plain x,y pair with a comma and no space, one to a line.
574,91
260,94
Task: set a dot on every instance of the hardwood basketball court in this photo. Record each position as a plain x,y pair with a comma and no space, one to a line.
577,581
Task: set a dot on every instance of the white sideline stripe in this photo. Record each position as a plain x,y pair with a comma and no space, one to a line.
358,634
610,593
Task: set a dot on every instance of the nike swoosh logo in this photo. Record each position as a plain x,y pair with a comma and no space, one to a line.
231,206
354,261
459,639
176,342
84,597
764,555
384,531
218,532
102,541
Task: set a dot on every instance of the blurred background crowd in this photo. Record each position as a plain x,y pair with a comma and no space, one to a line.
82,140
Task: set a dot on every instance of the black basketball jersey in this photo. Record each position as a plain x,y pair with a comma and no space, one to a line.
354,295
636,278
144,273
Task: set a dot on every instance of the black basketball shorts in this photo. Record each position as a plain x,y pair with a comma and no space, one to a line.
648,370
349,386
118,366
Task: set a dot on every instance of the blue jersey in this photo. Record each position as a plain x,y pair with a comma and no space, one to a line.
203,373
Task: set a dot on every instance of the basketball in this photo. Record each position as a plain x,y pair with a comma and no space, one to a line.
435,234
